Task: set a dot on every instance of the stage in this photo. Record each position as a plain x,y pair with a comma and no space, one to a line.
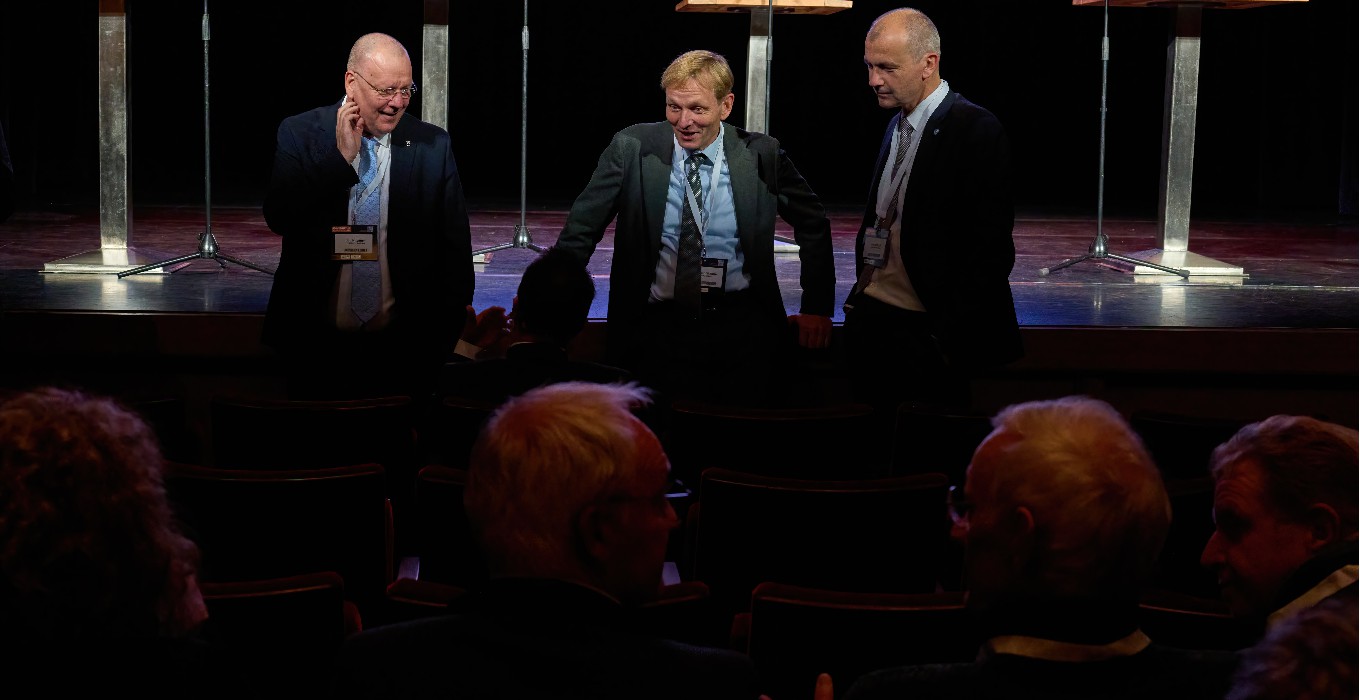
1280,338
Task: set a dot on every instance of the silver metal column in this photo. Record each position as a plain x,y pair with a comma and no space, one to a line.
758,72
115,213
1178,154
434,65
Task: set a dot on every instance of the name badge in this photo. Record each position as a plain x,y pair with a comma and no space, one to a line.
357,242
713,274
876,247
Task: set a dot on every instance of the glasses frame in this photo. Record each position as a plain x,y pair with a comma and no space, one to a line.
387,93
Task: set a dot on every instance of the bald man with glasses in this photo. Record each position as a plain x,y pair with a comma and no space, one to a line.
376,268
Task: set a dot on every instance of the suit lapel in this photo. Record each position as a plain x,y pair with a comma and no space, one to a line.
656,179
742,170
930,134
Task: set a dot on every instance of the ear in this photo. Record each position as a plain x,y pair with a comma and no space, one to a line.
1021,528
594,531
1324,526
726,107
932,65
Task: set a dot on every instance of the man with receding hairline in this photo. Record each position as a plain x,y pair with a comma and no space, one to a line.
932,303
355,311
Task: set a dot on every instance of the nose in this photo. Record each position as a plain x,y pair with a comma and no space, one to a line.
874,78
1213,552
672,519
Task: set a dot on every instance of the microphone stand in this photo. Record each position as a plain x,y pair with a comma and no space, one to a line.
522,238
207,243
1098,250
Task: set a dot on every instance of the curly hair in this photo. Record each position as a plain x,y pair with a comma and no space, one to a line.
89,547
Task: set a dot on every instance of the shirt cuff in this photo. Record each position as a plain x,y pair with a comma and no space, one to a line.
466,349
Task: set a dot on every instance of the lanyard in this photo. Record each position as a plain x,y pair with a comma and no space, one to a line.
887,196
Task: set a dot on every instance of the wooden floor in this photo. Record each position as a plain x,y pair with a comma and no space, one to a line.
1283,337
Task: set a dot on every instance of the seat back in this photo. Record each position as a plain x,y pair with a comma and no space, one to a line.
261,524
932,439
825,442
1181,444
281,633
448,553
796,632
881,535
1172,618
1192,524
447,434
268,433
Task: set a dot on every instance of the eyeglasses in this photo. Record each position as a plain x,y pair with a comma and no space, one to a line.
959,507
388,93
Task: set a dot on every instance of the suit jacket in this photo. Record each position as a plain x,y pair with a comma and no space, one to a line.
429,243
631,181
957,216
536,638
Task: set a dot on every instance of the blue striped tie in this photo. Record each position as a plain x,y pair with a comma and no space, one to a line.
366,277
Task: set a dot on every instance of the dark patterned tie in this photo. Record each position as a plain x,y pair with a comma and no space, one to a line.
689,254
366,277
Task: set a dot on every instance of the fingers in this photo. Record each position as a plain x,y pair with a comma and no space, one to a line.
824,690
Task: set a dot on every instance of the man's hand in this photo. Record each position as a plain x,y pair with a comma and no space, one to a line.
487,330
814,332
349,129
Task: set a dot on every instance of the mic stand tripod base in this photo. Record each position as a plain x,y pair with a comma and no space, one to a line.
522,239
107,261
1193,263
207,250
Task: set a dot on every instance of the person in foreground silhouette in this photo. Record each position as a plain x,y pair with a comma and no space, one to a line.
567,495
1062,518
98,586
529,348
1285,500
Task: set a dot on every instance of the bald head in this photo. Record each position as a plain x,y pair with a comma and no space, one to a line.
380,48
908,30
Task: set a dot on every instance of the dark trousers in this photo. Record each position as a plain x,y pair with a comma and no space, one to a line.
891,355
732,353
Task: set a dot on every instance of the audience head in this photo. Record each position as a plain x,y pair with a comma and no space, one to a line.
1065,503
1309,656
566,483
554,298
88,544
902,54
1284,492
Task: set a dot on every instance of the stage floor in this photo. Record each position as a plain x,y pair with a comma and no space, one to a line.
1296,275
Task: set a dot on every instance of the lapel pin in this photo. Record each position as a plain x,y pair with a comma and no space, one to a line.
936,133
408,143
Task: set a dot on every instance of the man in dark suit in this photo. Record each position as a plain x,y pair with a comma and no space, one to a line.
694,305
1284,517
932,302
567,497
1062,518
358,313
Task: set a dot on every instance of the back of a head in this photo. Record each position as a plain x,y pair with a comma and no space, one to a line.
542,457
1304,461
708,68
1100,509
1308,656
554,297
87,537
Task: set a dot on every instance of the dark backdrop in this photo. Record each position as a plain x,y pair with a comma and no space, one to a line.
1276,132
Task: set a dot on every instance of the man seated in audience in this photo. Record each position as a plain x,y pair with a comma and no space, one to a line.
528,349
1284,516
1063,516
567,495
1311,655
